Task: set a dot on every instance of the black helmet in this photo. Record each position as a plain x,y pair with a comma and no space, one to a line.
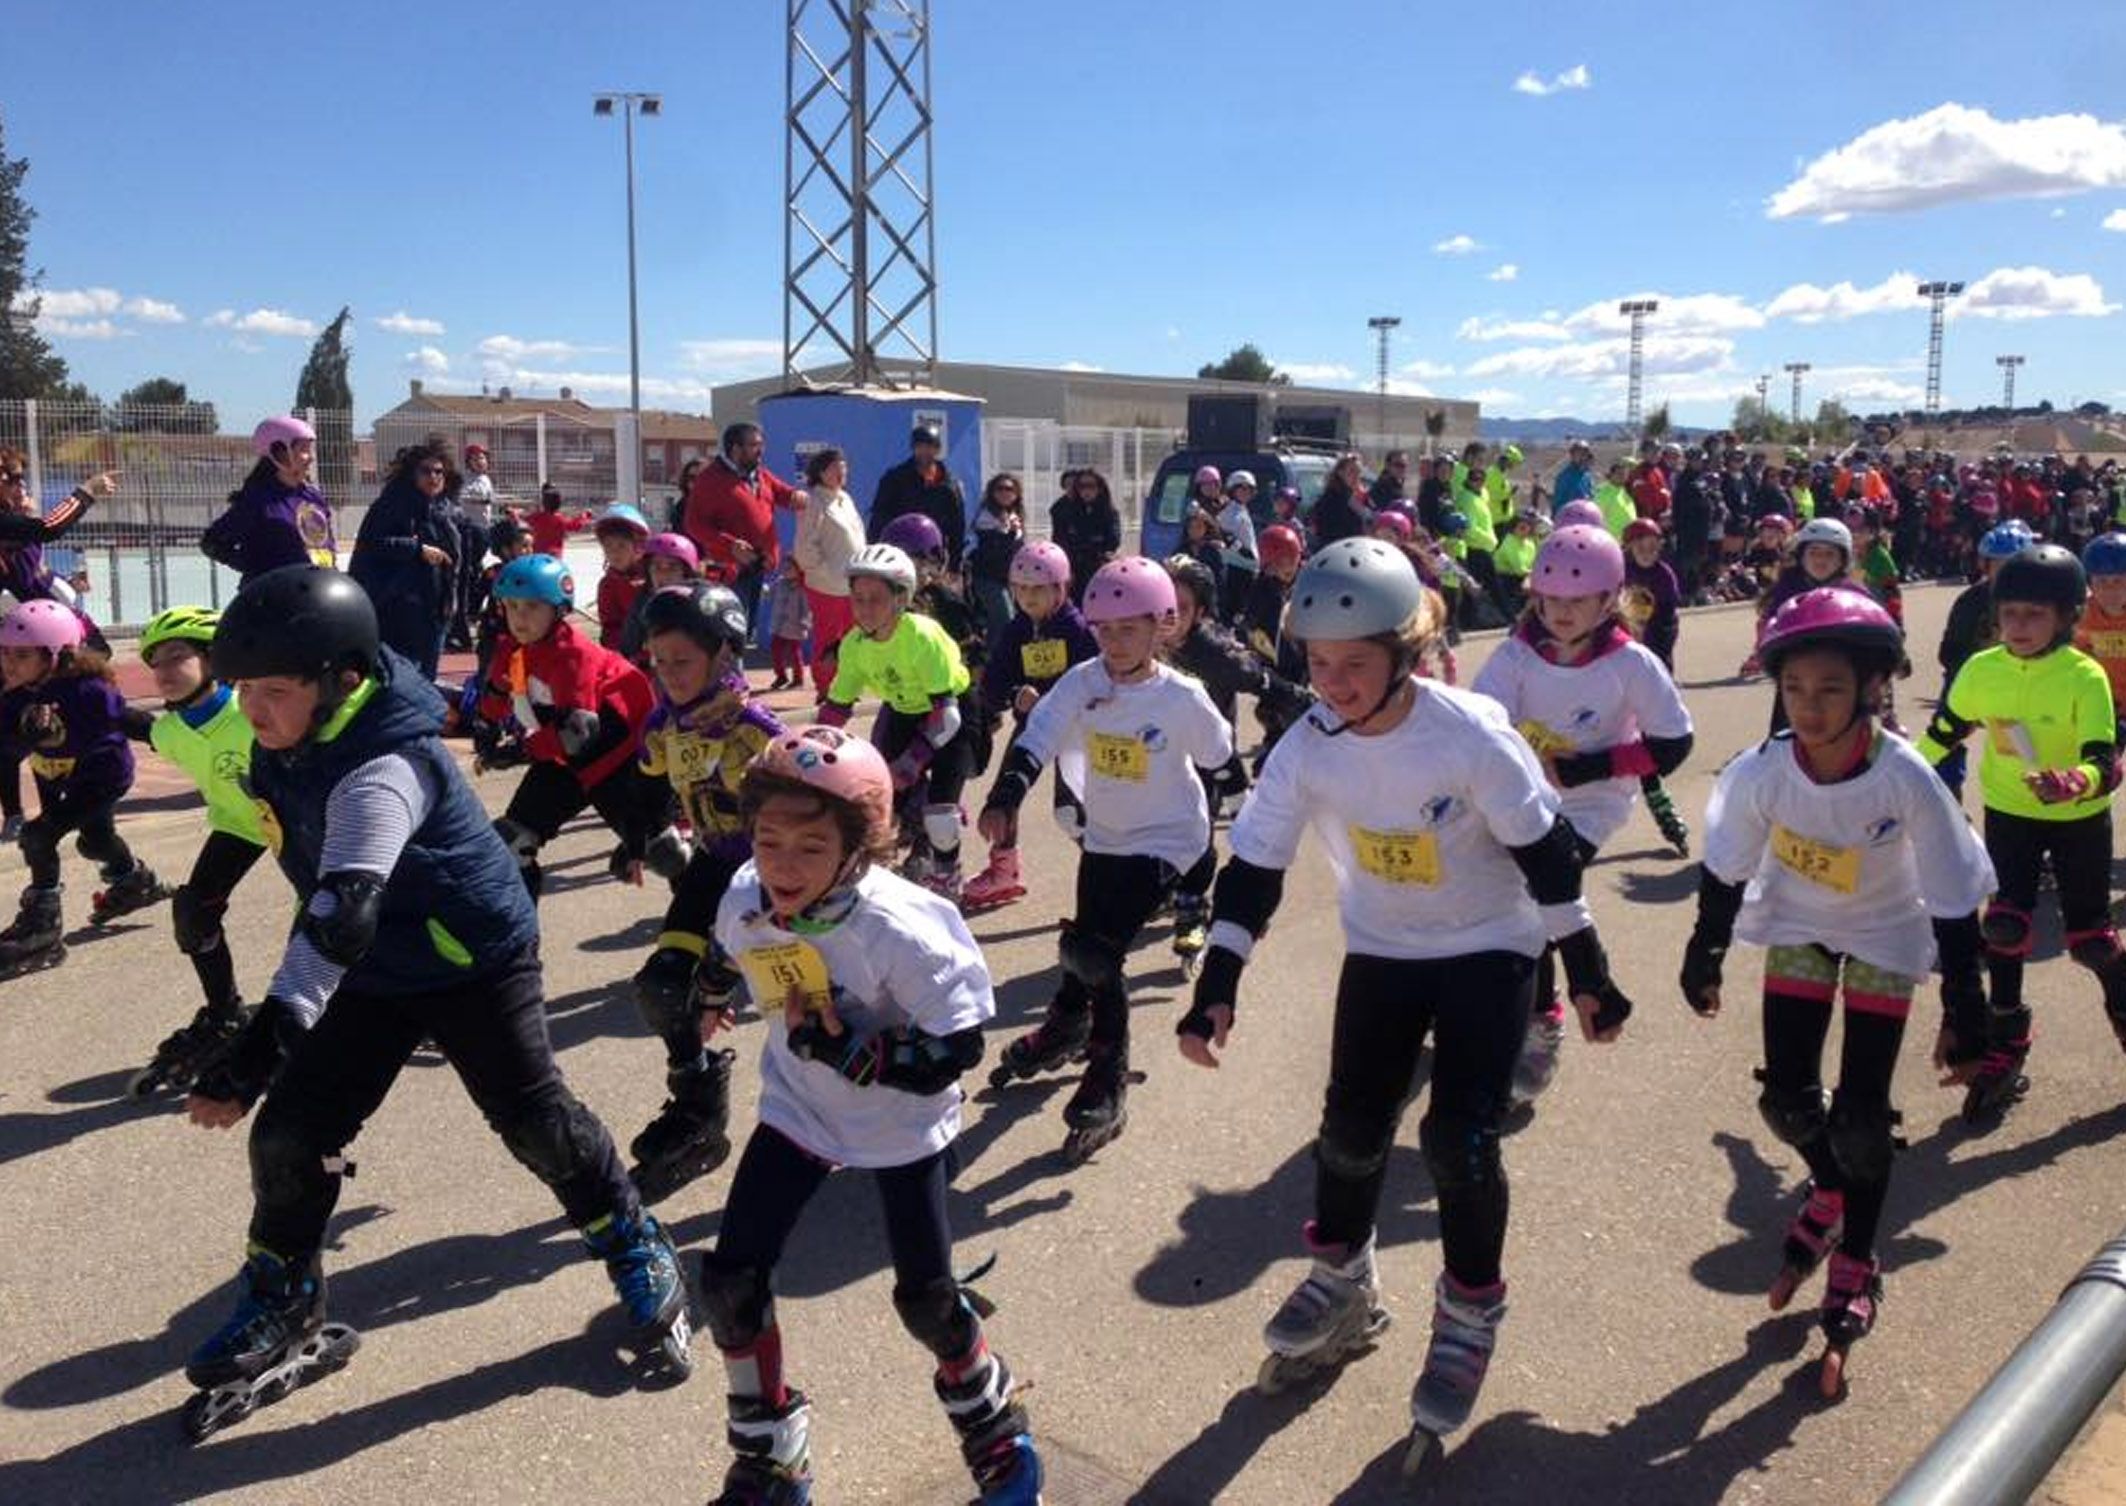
1189,571
710,615
503,533
300,620
2043,573
926,434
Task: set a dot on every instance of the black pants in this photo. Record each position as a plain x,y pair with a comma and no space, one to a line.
93,816
692,912
2081,865
200,904
492,1030
1116,897
1475,1008
10,787
550,796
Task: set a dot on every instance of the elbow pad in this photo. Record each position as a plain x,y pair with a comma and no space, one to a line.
1551,864
1246,897
917,1062
342,916
942,725
1017,776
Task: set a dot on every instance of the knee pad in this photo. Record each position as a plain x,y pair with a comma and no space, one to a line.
1863,1138
196,920
102,851
1351,1149
287,1163
2006,930
1796,1115
38,843
1092,959
2096,950
556,1140
667,854
738,1302
1462,1154
664,990
523,843
938,1317
941,826
1070,819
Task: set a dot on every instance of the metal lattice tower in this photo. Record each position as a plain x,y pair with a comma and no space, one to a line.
2007,364
1636,310
1381,325
859,228
1937,295
1796,370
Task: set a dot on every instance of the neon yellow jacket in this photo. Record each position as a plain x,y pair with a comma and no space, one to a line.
1618,510
2050,712
1515,554
1483,534
212,743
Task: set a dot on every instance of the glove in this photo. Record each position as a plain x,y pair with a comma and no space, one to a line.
1218,984
1702,962
577,731
858,1061
2058,786
247,1065
1587,974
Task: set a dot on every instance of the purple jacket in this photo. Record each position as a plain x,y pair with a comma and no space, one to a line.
268,525
23,572
89,758
1006,670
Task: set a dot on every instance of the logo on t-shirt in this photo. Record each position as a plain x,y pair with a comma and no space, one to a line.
1880,832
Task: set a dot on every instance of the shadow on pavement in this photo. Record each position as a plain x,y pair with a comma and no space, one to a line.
1215,1457
1672,887
24,1135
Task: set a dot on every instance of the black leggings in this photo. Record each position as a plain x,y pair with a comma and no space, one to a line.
692,913
94,817
10,787
1475,1007
492,1030
1116,897
199,906
2081,865
550,796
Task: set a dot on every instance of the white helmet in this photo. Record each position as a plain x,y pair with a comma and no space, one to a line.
884,562
1353,588
1238,479
1825,531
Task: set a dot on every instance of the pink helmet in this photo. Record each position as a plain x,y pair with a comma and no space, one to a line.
1577,560
1208,473
280,430
837,764
672,546
1041,563
1582,513
41,624
1132,586
1842,616
1397,523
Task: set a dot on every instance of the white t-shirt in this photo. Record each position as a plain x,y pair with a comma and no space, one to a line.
1858,867
1417,822
1620,697
1133,755
476,494
903,956
1239,525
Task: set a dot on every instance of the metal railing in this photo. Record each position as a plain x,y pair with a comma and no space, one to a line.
2001,1446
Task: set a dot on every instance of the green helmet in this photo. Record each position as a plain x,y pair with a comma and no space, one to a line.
179,625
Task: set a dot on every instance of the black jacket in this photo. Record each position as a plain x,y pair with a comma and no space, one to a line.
903,490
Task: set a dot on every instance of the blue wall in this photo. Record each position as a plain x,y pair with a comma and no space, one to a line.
873,433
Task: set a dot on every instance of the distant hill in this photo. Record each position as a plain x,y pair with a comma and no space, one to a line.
1560,430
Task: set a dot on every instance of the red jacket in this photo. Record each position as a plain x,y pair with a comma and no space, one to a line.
550,530
723,506
617,595
1649,492
541,683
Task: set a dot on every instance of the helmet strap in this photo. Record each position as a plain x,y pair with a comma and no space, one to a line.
1397,680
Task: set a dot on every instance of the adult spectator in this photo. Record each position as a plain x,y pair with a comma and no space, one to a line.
829,532
677,509
1388,487
476,515
921,483
1338,514
999,529
405,553
276,517
730,514
1576,477
1435,492
1085,526
1692,509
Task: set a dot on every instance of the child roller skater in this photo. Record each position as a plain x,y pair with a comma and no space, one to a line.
881,995
1600,713
413,925
1147,733
2047,768
201,730
68,722
702,736
1849,849
1454,868
1045,637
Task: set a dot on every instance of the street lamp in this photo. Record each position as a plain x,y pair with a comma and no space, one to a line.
1796,370
628,105
1937,295
1381,324
1636,310
2007,364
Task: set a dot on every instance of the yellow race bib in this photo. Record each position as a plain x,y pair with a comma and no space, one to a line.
773,970
689,760
1546,743
2108,645
1044,659
51,766
1397,857
1114,756
1835,868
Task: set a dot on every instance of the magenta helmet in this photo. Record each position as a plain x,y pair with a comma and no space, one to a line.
1132,586
41,624
279,431
1208,475
1580,514
672,546
1577,560
1834,617
837,764
1041,563
915,535
1395,521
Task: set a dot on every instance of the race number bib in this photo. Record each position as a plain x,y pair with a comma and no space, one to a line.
2108,645
1045,659
1114,756
2012,740
1397,857
1546,743
773,970
690,760
1834,868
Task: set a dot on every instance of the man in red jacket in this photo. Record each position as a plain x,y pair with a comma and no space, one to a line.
730,513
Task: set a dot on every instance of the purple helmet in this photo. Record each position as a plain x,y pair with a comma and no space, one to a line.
41,624
1132,586
673,546
1041,563
1207,475
915,535
279,431
1582,512
1577,560
1832,616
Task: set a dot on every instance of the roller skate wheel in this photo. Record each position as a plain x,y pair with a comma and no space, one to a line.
208,1412
1279,1373
1001,1076
145,1083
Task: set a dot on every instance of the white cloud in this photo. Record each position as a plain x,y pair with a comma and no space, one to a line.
261,322
1457,245
1079,366
399,322
1504,272
73,303
1316,373
1512,329
1575,77
1956,153
1608,358
428,361
1398,387
2059,214
612,383
508,348
80,329
1425,370
2033,293
731,357
1806,303
1878,390
1688,314
2116,220
1495,397
154,311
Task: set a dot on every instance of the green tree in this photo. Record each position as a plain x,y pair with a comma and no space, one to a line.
28,365
1834,425
1752,422
162,405
1657,424
324,387
1245,363
1435,426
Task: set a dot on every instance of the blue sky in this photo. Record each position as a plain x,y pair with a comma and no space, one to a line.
1130,186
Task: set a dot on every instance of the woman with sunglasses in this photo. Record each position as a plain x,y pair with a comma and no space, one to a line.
404,555
999,529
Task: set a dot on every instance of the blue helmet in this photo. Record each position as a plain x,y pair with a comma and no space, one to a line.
626,519
537,577
2004,541
2105,554
1453,523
